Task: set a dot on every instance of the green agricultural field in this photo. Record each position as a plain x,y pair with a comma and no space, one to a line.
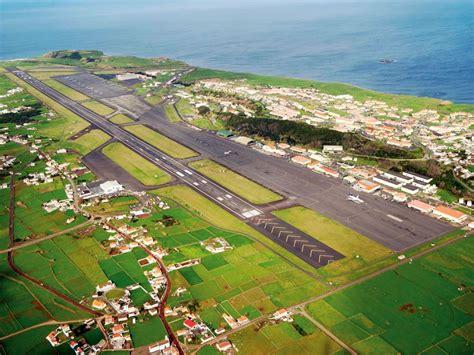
237,183
67,125
98,107
220,218
172,114
284,338
140,168
148,331
339,237
65,90
161,142
4,217
30,342
410,309
120,119
91,140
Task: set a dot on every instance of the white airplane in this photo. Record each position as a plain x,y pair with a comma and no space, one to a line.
228,152
355,199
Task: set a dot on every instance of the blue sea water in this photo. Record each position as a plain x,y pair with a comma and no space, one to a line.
328,40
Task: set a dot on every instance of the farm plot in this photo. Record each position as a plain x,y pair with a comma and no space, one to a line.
411,309
148,331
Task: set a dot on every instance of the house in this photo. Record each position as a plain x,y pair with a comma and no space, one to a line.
51,337
105,287
117,329
449,214
109,319
190,324
224,346
299,159
160,346
410,189
242,320
219,331
367,186
418,177
99,304
230,321
282,314
388,182
333,148
181,332
421,206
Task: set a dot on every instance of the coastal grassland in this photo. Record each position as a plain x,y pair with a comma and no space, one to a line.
171,113
114,205
217,216
403,101
65,90
91,140
418,306
147,331
161,142
299,337
140,168
68,264
97,107
358,251
120,119
63,127
242,186
31,220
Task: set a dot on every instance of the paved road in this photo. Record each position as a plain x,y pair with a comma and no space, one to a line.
314,253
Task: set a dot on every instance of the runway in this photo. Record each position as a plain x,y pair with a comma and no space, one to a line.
221,196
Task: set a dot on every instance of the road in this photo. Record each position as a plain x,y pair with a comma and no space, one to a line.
305,247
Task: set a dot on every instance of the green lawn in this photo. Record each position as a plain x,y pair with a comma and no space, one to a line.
115,205
91,140
120,119
98,107
410,309
65,90
446,196
140,168
339,237
172,114
237,183
161,142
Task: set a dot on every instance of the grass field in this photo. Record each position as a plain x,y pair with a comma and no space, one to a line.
65,90
98,107
120,119
140,168
67,125
284,338
148,331
30,342
339,237
115,205
249,190
91,140
161,142
446,196
416,307
172,114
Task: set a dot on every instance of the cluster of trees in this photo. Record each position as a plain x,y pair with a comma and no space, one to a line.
300,133
22,116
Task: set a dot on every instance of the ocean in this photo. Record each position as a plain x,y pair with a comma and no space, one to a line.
431,42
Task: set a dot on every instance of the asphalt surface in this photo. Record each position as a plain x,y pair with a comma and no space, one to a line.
392,224
221,196
92,85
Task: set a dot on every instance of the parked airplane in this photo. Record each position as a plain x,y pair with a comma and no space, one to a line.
355,199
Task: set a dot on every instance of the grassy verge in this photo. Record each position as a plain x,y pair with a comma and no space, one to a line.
91,140
359,251
172,114
137,166
98,108
65,90
161,142
222,219
237,183
71,123
120,119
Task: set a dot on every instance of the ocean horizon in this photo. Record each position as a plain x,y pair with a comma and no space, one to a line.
430,42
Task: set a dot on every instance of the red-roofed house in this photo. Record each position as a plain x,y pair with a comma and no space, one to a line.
190,324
